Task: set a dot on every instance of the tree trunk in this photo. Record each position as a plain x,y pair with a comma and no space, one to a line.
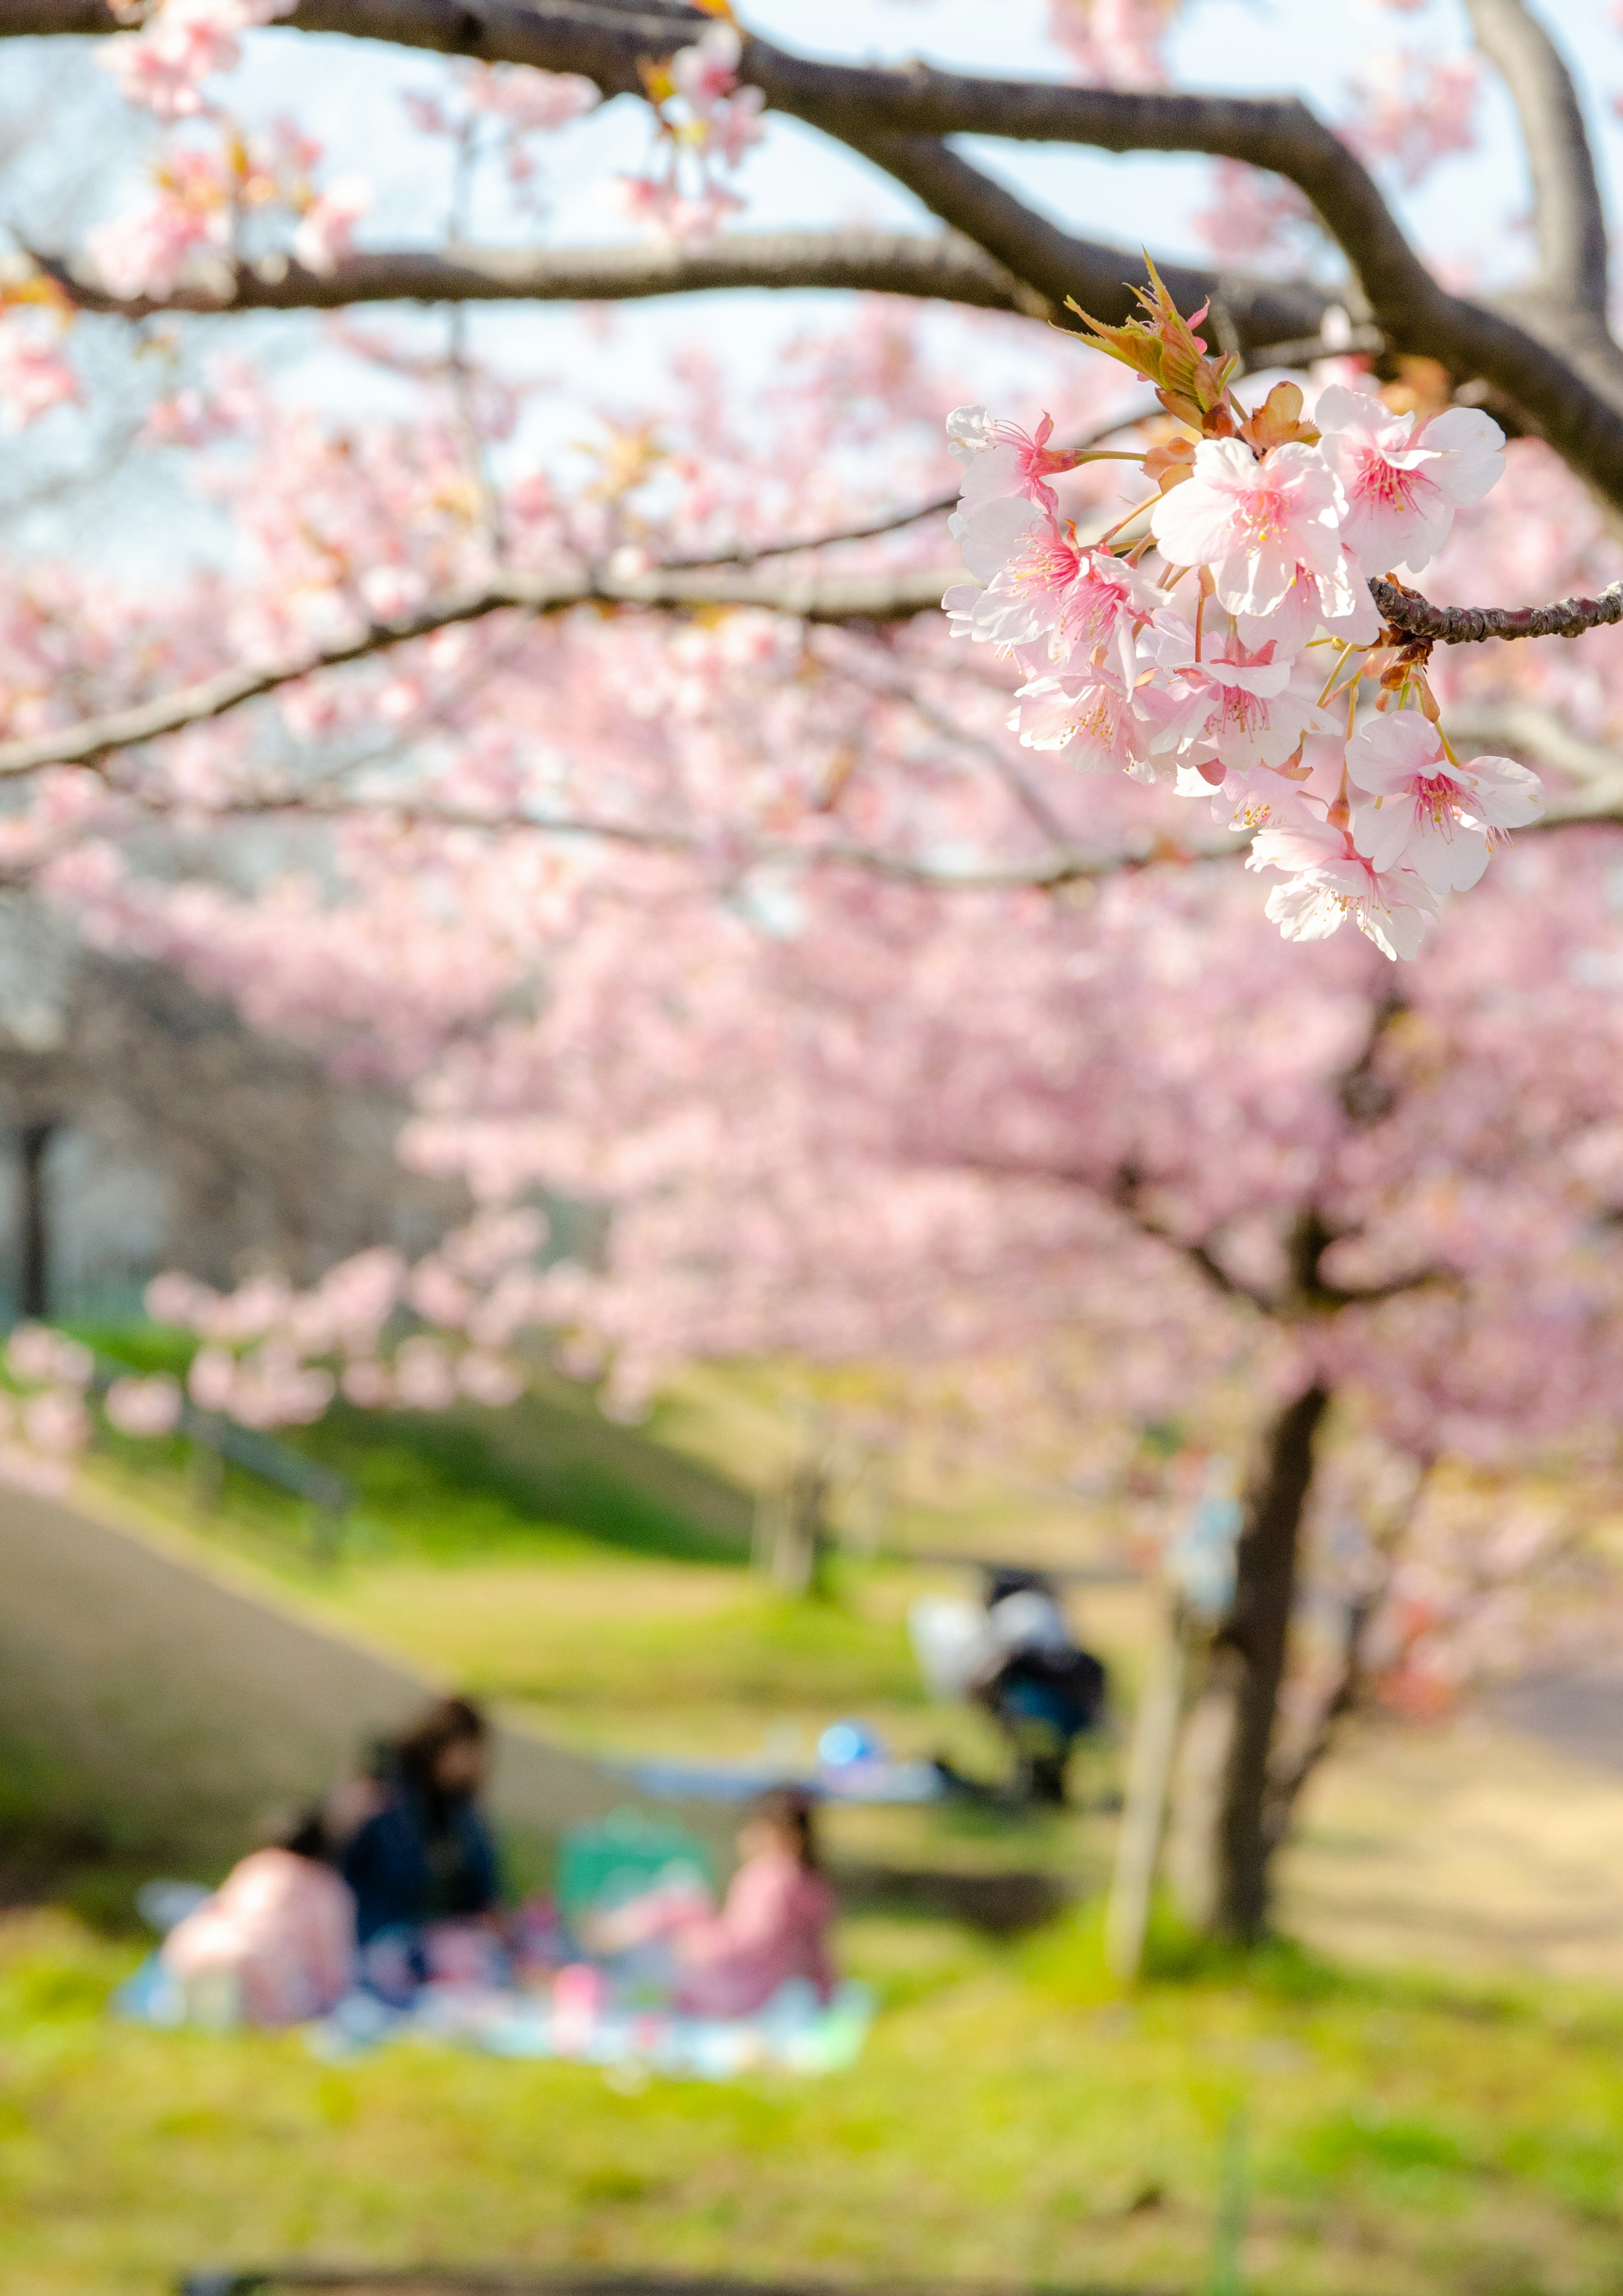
34,1231
791,1534
1248,1662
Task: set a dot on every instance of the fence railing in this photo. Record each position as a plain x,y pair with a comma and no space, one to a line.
216,1439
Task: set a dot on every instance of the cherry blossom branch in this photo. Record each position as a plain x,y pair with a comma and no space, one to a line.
1127,1194
1065,866
876,597
885,596
1574,399
1566,618
751,553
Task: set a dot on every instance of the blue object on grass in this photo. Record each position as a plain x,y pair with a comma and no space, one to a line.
845,1743
739,1782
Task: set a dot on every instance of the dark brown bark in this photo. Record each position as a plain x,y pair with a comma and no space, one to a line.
33,1224
1250,1660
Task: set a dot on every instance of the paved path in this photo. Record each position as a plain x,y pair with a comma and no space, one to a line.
1487,1844
193,1701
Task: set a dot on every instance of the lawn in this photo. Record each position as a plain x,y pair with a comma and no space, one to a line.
1013,2117
1012,2120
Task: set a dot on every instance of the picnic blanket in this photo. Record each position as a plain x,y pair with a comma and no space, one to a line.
538,1993
795,2032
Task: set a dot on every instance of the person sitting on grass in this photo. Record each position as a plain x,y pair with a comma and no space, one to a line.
275,1943
421,1853
773,1924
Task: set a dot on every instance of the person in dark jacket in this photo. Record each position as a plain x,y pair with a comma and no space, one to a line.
425,1853
1042,1689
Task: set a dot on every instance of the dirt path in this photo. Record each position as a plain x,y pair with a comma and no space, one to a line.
1492,1844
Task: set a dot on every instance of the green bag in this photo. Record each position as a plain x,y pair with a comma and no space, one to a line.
606,1865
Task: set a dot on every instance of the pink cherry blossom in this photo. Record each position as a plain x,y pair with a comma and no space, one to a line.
326,230
367,1384
1413,110
1116,43
1253,522
1415,806
1337,601
992,535
709,69
33,374
1402,486
489,1380
425,1377
1000,458
1231,708
143,1407
36,1355
1050,589
147,252
180,43
1091,718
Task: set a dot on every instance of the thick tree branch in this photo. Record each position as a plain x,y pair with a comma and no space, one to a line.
1566,210
1127,1194
1057,264
871,597
1574,399
941,265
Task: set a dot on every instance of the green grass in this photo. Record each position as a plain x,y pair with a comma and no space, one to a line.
1012,2120
1015,2118
442,1485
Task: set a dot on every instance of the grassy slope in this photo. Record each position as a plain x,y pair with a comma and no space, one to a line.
1009,2119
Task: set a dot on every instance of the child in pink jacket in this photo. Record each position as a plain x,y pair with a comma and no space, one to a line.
773,1924
275,1943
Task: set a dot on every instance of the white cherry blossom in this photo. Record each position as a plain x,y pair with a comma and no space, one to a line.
1331,881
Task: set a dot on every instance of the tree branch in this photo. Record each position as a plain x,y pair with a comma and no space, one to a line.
1057,264
1407,610
1573,398
1127,1194
940,264
1066,866
1567,209
845,598
873,597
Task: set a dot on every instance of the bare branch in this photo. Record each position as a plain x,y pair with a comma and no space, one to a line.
1568,618
1056,263
1127,1194
1065,866
753,553
940,264
1570,221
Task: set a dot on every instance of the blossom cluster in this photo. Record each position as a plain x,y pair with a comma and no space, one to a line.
272,1357
181,44
707,124
1224,649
